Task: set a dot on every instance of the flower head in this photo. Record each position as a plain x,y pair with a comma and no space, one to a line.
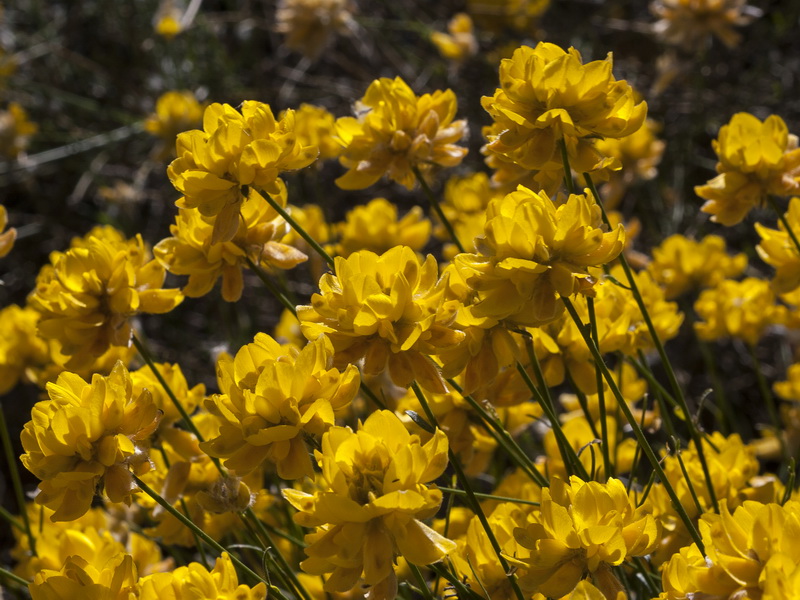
176,112
533,251
316,127
88,294
690,23
459,42
15,131
387,310
373,491
85,435
778,250
272,397
375,227
235,150
755,159
546,95
395,132
6,237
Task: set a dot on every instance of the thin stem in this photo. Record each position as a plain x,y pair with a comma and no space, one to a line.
601,397
503,438
677,446
463,590
637,431
372,395
662,353
12,520
205,537
458,492
476,506
270,285
16,482
423,587
437,208
14,577
299,229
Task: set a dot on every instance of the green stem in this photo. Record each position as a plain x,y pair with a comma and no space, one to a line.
570,183
637,431
476,506
457,492
662,353
677,446
769,401
601,398
423,586
503,438
14,577
16,482
299,229
437,208
270,285
12,520
372,395
463,590
205,537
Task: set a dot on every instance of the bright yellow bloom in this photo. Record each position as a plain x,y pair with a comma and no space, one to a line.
738,309
175,113
396,131
497,15
88,294
235,150
546,95
167,21
778,250
271,399
85,435
386,310
310,25
459,42
15,131
375,227
681,264
582,527
7,238
20,347
464,205
191,252
372,495
533,251
755,159
734,470
639,154
195,582
314,126
755,549
101,576
690,23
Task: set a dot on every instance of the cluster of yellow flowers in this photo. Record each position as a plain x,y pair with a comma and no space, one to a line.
517,407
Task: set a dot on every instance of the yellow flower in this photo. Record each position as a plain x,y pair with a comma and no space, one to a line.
312,219
175,113
464,205
258,236
310,25
372,495
582,527
271,400
533,251
375,227
738,309
546,95
315,127
15,131
6,237
778,250
198,583
756,547
20,347
167,20
88,294
235,150
459,42
386,310
85,435
396,131
755,159
100,577
690,23
681,264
